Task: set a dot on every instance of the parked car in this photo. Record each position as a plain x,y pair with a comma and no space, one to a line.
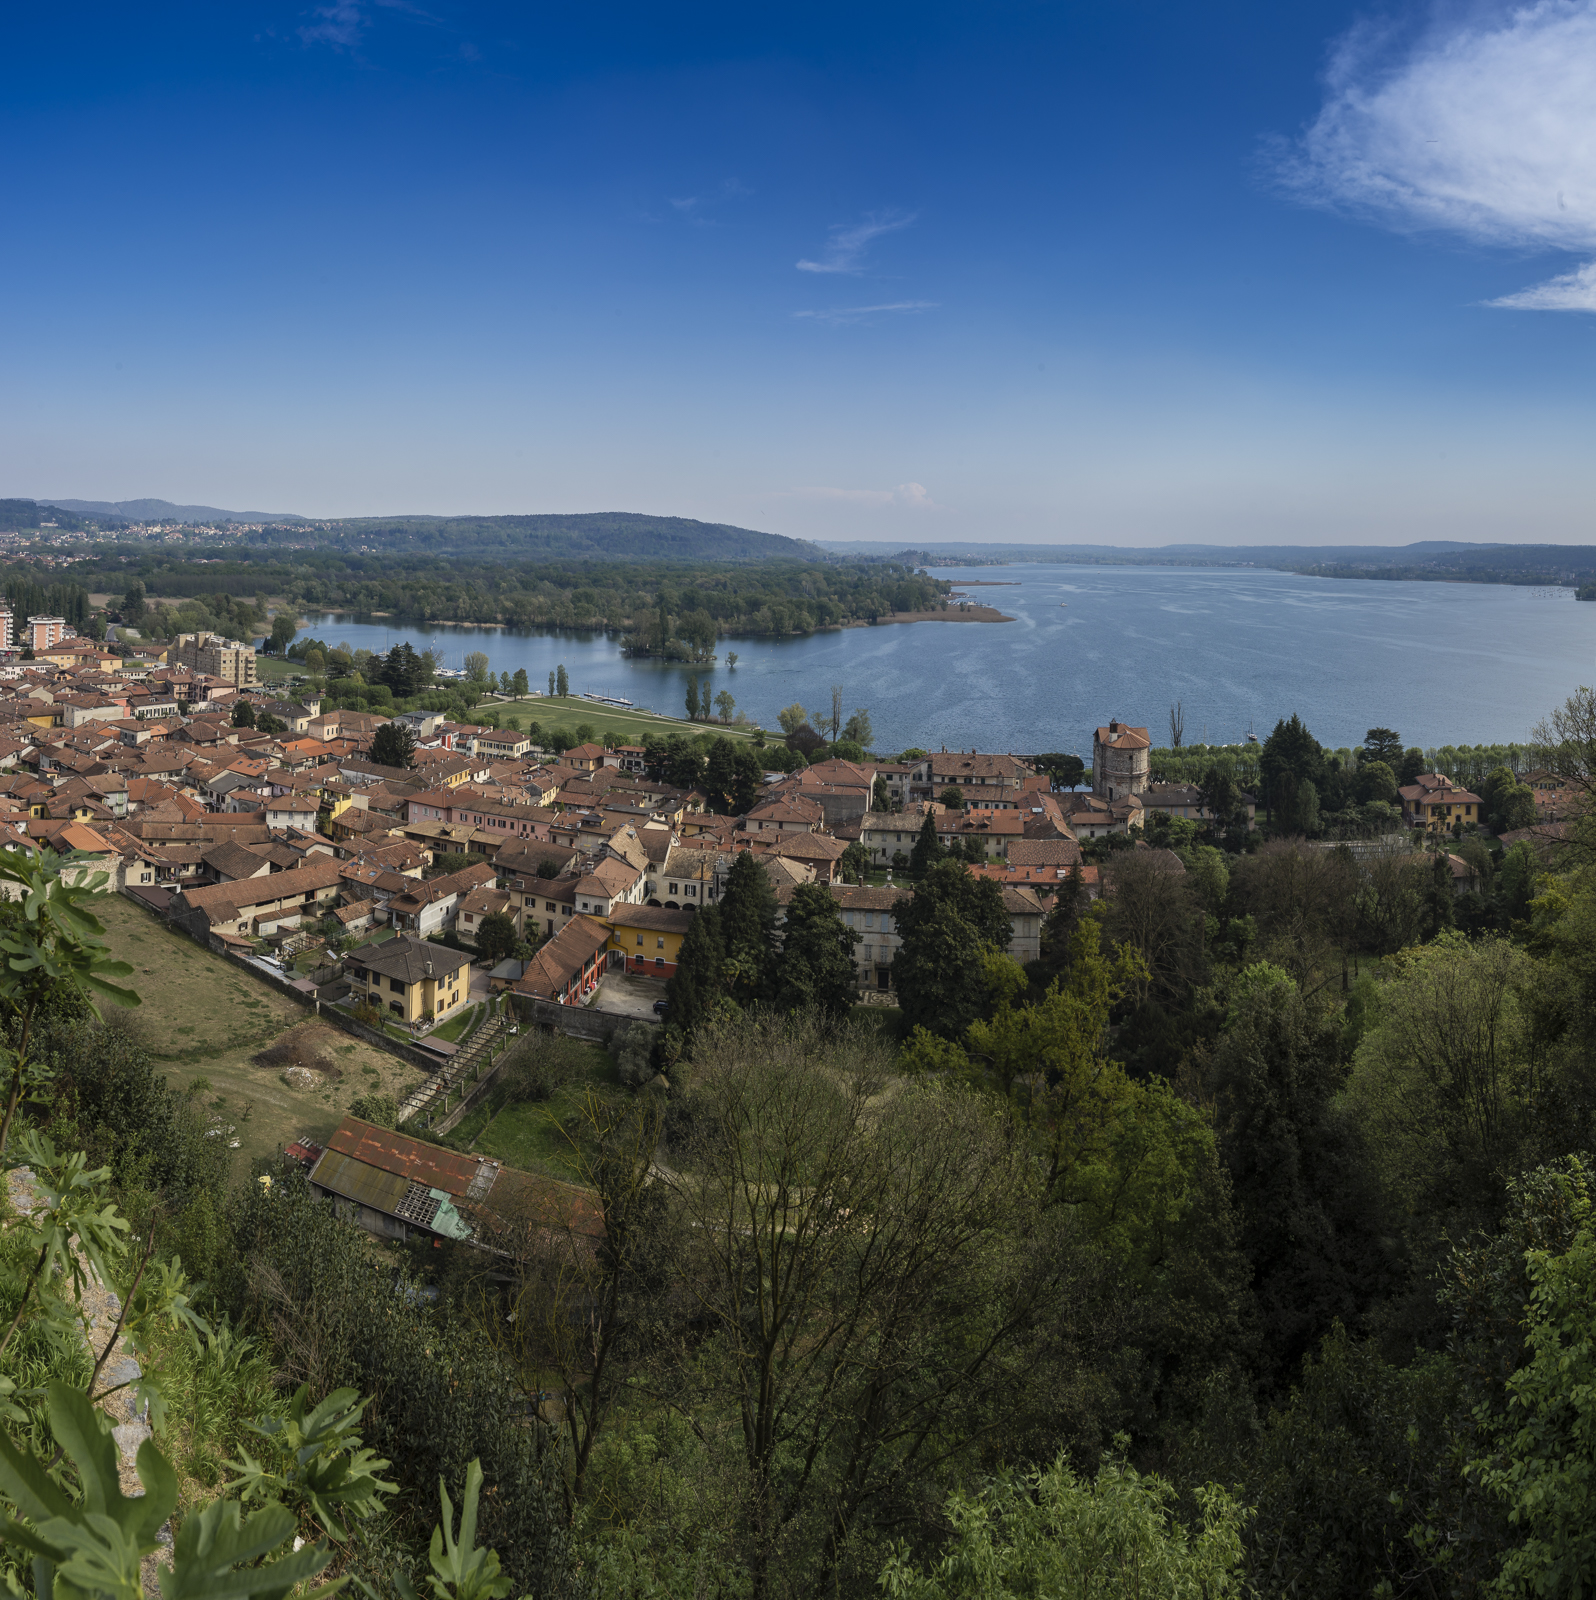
661,1007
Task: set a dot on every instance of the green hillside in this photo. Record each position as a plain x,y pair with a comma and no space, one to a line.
598,535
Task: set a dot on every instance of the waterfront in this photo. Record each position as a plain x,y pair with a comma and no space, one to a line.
1440,662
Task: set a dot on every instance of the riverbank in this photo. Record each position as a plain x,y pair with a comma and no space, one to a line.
965,613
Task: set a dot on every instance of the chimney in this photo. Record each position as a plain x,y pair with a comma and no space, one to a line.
427,969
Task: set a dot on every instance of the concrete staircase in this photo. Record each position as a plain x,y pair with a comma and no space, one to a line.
461,1069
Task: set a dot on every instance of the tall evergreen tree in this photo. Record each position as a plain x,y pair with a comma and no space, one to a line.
692,699
816,971
946,927
927,850
748,928
698,985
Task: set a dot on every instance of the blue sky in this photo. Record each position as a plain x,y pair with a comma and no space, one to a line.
1128,272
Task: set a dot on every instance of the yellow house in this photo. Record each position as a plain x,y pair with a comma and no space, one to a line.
650,937
409,978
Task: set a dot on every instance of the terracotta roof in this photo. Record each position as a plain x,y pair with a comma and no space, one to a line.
1120,736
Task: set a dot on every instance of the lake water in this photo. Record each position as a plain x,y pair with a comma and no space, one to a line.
1443,663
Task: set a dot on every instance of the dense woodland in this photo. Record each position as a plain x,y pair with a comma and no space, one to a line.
1242,1243
699,600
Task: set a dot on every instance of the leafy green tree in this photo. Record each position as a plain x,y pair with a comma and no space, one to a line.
697,988
1052,1533
748,929
1506,803
243,714
1375,781
951,922
692,699
725,705
496,937
854,863
476,665
562,681
1066,771
857,729
1413,765
816,971
880,795
792,718
952,798
553,679
284,626
133,604
1544,1467
394,745
1440,1082
519,685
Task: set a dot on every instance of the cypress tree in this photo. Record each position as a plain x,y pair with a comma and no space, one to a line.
748,926
927,849
696,988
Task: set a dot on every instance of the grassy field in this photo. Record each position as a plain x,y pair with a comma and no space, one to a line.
566,711
530,1134
206,1017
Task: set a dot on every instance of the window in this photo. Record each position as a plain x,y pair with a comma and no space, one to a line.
396,986
659,961
639,938
659,944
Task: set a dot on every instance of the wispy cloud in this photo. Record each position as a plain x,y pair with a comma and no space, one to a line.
909,496
837,316
1483,125
340,24
845,249
343,23
695,205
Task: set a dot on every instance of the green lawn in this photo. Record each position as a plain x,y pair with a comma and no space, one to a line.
568,710
530,1135
455,1026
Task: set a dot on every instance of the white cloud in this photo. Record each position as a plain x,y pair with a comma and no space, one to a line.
339,25
1483,125
1573,291
839,315
845,249
907,496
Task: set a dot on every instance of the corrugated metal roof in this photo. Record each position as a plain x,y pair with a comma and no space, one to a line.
358,1180
413,1160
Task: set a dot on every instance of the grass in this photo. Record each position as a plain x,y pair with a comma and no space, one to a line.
206,1017
455,1026
565,711
530,1134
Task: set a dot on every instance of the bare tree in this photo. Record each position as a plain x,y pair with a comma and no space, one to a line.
1565,743
1177,725
836,711
842,1238
581,1277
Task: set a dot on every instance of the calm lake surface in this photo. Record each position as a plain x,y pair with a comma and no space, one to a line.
1443,663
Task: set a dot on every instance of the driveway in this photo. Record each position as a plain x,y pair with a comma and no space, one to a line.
630,995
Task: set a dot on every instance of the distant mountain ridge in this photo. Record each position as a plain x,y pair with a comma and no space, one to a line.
166,511
1565,564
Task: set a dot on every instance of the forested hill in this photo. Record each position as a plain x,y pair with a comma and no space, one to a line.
595,535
